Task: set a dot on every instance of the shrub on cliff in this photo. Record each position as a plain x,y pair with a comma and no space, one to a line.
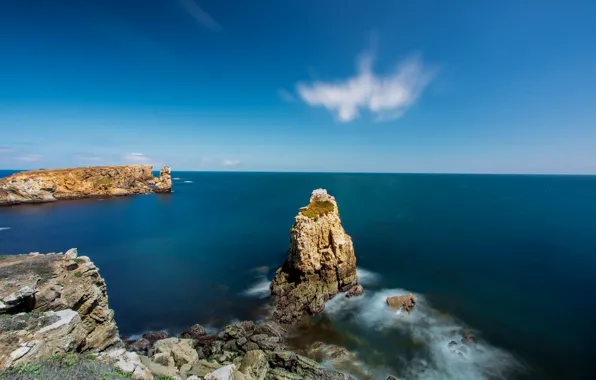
65,367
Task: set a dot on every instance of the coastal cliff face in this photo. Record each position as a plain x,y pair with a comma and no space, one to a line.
321,261
50,305
40,186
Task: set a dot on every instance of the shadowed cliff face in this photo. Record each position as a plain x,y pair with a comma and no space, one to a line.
52,304
321,261
40,186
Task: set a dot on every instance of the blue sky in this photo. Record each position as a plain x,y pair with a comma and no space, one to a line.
310,85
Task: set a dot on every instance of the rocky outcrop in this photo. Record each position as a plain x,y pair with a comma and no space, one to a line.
163,183
52,304
405,302
320,263
40,186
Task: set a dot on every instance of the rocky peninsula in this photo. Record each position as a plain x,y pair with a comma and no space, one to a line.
40,186
321,262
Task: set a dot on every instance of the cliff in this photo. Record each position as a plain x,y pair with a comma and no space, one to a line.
40,186
52,304
320,263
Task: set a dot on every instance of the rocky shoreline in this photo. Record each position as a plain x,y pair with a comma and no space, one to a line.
55,305
41,186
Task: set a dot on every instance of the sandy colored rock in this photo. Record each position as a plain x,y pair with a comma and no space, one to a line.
180,350
255,364
55,304
320,263
405,302
38,186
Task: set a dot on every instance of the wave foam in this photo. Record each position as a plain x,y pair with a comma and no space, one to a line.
433,329
187,181
367,277
260,289
5,228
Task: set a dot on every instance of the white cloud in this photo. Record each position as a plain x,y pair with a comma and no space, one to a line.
228,162
136,157
285,95
202,17
30,157
386,97
5,149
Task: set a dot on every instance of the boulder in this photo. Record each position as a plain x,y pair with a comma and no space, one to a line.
255,364
356,290
203,367
129,363
223,373
154,336
141,346
194,332
468,338
180,350
405,302
320,263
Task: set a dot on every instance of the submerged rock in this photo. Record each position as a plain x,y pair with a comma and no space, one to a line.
405,302
39,186
357,290
320,263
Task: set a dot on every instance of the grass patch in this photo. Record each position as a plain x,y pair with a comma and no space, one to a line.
79,261
66,367
78,274
317,209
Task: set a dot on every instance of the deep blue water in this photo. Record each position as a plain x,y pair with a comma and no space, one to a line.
511,257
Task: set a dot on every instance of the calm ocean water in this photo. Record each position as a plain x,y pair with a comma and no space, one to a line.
511,257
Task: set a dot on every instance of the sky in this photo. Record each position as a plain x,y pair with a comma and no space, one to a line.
426,86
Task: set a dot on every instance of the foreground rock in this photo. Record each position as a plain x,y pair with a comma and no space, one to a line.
52,304
405,302
39,186
321,261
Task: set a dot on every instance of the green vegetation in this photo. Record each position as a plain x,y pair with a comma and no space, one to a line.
78,274
317,209
99,181
66,367
164,378
79,261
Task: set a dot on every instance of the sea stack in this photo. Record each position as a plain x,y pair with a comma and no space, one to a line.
163,184
320,263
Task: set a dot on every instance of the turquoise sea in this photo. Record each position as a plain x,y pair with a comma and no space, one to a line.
512,258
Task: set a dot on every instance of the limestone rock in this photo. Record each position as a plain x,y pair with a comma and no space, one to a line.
52,304
357,290
405,302
223,373
163,183
255,364
320,263
39,186
203,367
181,350
128,362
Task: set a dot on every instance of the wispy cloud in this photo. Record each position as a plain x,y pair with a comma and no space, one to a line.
285,95
202,17
29,157
387,97
228,162
5,149
136,157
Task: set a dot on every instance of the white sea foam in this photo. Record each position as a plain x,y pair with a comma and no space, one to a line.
260,289
367,277
187,181
5,228
176,179
432,328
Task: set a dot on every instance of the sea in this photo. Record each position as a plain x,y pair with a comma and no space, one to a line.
511,258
